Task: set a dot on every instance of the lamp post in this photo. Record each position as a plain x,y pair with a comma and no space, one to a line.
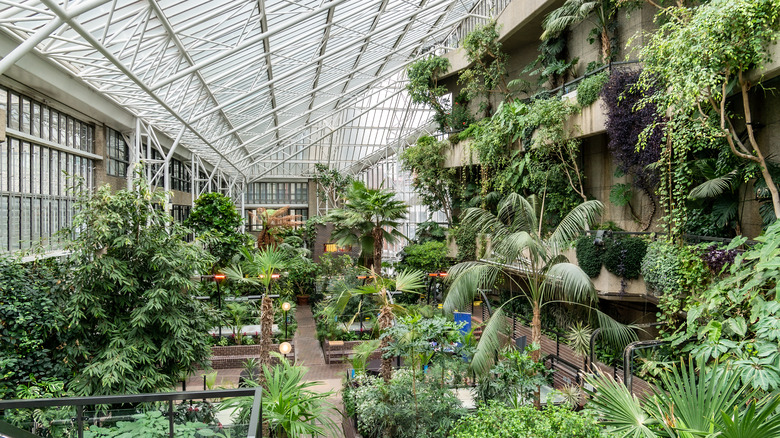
286,308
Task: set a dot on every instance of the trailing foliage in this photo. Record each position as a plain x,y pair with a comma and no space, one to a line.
215,220
496,420
626,122
487,75
623,256
466,240
424,88
437,186
589,255
552,65
30,322
589,88
134,325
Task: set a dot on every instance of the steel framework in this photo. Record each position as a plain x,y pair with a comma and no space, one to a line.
253,88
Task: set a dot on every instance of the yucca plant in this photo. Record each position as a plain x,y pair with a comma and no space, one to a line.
518,247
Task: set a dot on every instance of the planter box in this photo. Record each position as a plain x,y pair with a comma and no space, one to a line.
234,356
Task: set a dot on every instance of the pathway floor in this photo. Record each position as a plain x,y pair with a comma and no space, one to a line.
308,353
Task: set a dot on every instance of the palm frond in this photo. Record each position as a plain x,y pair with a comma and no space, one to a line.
494,337
578,219
713,187
518,213
615,333
236,273
570,13
467,279
618,409
753,422
568,282
410,280
484,221
516,246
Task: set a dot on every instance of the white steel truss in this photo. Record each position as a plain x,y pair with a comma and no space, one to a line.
253,88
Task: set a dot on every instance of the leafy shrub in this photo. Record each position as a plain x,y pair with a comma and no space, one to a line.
496,420
466,239
661,268
513,380
589,88
589,255
430,256
718,259
214,218
623,256
152,424
29,317
408,407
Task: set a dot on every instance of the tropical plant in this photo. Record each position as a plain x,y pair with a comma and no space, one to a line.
486,76
589,88
496,420
424,86
31,319
332,185
215,220
290,406
436,185
134,325
695,81
430,256
153,424
574,12
514,379
369,217
693,401
519,250
261,268
379,289
273,222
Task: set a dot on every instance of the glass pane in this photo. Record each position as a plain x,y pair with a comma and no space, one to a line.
13,222
55,127
3,169
45,222
14,112
25,224
36,119
35,220
35,169
70,133
54,168
76,134
25,174
45,171
3,223
25,115
63,130
45,125
14,165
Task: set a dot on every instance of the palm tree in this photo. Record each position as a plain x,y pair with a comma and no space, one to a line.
260,268
273,222
369,217
379,289
574,12
548,277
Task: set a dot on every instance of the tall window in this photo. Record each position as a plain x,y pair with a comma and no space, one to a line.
118,154
39,160
278,193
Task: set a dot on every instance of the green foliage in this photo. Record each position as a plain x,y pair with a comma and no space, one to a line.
694,400
43,422
424,88
152,424
215,220
735,320
436,185
466,240
573,12
134,325
589,255
427,257
487,75
620,194
30,321
332,185
513,380
391,407
552,65
697,59
623,256
589,88
661,268
496,420
369,218
430,231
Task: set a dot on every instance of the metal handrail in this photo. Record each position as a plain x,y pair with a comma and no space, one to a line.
170,397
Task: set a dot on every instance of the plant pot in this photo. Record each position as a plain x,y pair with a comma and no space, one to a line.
303,300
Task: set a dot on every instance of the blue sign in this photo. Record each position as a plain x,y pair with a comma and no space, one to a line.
463,317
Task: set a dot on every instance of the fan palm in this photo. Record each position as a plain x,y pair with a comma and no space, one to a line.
574,12
548,277
379,289
369,217
710,402
259,268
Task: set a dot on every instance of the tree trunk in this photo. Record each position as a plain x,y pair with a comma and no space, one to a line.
536,332
385,321
266,325
378,244
606,49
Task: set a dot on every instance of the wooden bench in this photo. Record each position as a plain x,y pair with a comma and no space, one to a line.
342,350
235,356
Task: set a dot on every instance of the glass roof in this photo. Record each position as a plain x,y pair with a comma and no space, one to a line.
261,89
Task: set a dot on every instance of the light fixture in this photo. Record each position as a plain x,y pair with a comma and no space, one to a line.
286,306
285,348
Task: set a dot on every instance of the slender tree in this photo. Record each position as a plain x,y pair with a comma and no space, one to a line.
519,250
369,218
574,12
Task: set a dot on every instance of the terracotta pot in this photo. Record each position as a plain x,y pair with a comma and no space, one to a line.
303,300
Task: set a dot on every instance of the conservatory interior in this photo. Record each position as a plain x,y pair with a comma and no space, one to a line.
389,218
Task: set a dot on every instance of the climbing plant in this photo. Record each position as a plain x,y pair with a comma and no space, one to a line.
424,87
487,76
436,185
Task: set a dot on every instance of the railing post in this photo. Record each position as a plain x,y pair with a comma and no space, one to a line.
170,418
80,420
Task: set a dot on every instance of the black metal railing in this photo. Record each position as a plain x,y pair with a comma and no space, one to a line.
81,419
